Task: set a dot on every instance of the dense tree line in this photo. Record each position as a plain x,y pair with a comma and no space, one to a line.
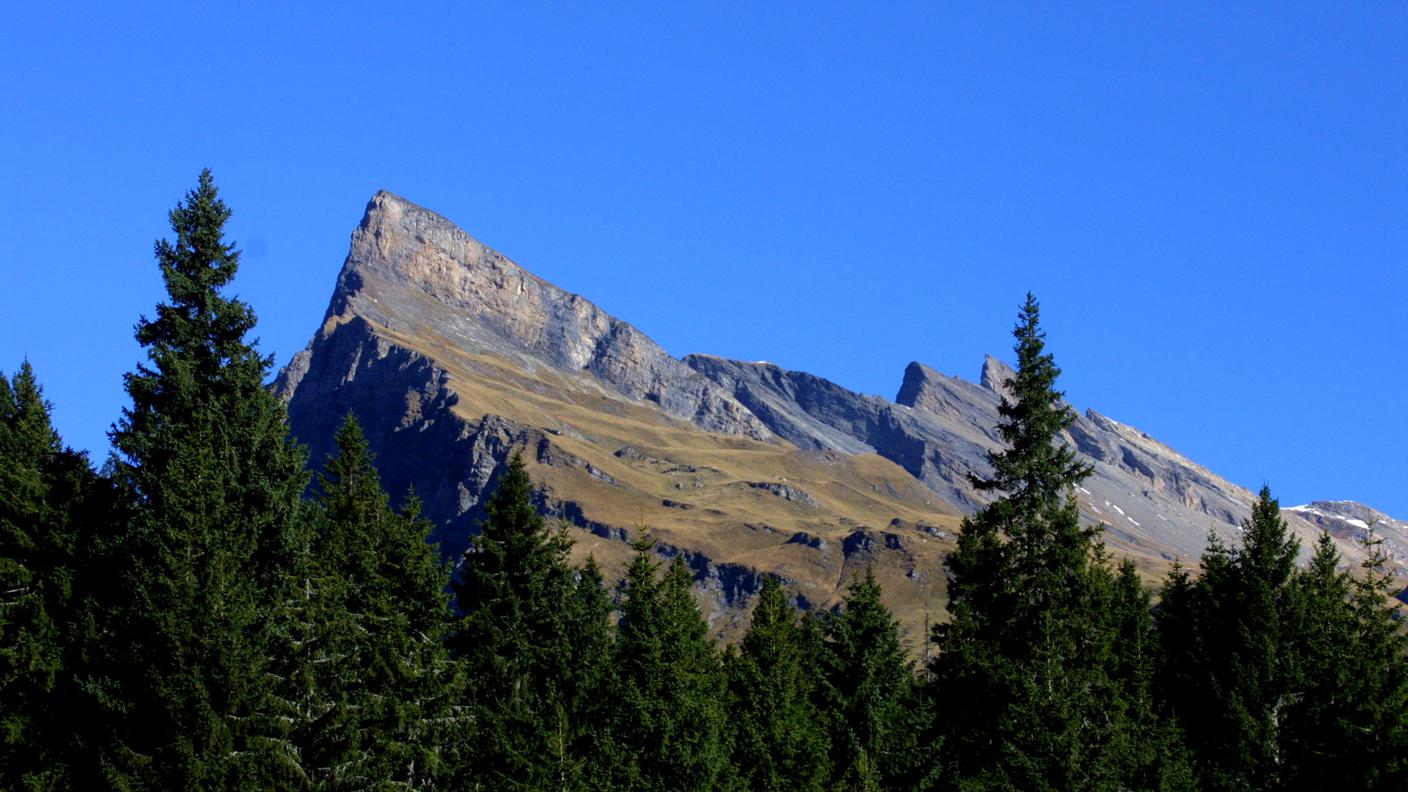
200,614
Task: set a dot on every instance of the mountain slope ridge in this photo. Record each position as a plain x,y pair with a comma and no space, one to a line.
453,356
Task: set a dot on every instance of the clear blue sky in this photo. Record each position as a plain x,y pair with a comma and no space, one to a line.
1210,201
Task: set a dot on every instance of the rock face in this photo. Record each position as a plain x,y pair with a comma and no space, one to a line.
1353,522
812,412
403,402
453,358
1152,500
412,271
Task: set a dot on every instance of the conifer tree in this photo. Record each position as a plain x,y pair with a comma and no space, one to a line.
664,728
211,487
366,678
1229,677
870,694
44,488
1148,752
577,725
778,740
516,591
1344,721
1380,708
1024,676
1314,732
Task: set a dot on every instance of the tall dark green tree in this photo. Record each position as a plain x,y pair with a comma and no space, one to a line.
664,728
212,487
779,741
43,491
574,741
1230,668
1147,751
1340,721
1379,713
1317,733
870,694
1025,675
368,689
520,599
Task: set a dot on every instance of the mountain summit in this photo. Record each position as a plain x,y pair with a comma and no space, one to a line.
413,272
453,357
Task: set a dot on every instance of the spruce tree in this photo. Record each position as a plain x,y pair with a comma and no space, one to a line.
1344,720
211,487
365,675
1148,752
44,488
1230,668
666,696
778,740
870,694
1323,649
1025,676
1380,708
577,725
516,591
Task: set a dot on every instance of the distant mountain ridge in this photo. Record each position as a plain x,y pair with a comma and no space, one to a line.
453,356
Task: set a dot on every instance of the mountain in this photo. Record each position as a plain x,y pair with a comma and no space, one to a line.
453,357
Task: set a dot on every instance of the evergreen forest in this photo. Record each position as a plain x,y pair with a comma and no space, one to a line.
200,612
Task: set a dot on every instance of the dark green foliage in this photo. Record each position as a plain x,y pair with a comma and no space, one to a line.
778,736
1034,472
870,693
1286,680
1147,751
576,732
529,643
211,486
1230,670
1035,686
1319,731
44,490
367,687
1375,730
664,728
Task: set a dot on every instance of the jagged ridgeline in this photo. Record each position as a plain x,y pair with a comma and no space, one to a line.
452,357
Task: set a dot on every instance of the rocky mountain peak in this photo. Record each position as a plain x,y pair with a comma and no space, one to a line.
916,377
925,389
995,376
418,275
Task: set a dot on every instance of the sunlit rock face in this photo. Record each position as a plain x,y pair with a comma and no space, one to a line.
453,358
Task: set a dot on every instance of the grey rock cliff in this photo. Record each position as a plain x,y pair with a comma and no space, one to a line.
813,412
941,429
402,401
414,272
1353,523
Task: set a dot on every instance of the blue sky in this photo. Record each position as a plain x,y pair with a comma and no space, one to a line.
1211,201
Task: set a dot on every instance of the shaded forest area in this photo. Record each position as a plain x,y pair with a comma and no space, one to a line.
201,614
